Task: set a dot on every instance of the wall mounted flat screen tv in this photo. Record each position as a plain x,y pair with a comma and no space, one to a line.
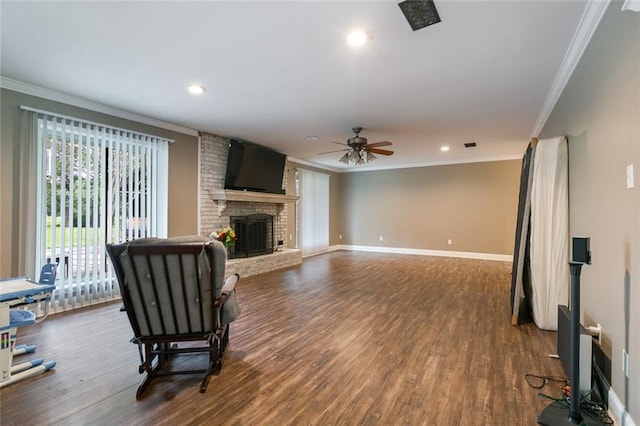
252,167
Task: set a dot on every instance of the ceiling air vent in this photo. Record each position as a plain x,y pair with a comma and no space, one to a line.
419,13
469,144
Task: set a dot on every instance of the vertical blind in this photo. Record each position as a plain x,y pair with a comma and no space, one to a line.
313,211
95,185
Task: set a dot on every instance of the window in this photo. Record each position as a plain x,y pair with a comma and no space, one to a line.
96,185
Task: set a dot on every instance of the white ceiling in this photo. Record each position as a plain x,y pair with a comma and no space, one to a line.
277,72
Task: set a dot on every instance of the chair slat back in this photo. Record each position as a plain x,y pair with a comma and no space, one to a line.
167,287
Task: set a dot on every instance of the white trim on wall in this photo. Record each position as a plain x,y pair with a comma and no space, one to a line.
425,252
593,13
617,410
53,95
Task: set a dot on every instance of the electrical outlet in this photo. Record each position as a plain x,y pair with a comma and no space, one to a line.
630,182
290,237
381,238
449,242
340,236
625,363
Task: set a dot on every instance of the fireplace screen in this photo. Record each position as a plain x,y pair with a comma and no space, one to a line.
254,235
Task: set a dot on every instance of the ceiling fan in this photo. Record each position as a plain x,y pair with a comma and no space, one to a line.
359,151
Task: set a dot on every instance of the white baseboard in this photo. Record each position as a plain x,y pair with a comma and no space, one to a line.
617,410
425,252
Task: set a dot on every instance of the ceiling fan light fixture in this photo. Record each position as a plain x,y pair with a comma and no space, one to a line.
359,152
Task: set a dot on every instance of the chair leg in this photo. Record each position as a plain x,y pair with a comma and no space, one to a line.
148,367
214,363
145,382
217,343
205,379
146,359
164,354
221,340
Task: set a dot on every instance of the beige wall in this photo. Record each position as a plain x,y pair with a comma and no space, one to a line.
183,170
599,112
474,205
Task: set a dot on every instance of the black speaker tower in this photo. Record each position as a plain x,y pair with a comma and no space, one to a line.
557,413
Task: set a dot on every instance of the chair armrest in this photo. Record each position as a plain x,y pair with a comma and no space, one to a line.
227,288
230,284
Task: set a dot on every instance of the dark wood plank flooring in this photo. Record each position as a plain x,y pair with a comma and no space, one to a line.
345,338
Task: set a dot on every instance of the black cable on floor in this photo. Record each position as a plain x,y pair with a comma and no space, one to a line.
595,409
537,382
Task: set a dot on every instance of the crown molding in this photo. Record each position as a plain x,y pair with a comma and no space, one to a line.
311,164
366,168
53,95
593,13
631,5
432,164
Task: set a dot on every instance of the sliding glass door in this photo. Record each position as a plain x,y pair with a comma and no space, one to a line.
313,211
96,185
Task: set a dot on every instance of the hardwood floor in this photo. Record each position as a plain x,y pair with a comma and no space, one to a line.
345,338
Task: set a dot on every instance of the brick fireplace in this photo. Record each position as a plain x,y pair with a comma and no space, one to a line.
218,206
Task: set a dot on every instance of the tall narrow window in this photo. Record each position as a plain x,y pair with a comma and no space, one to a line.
96,185
313,209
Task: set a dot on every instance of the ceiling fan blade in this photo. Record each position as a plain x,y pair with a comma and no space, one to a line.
331,152
382,143
340,143
379,151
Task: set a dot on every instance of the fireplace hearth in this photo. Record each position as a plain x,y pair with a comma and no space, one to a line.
254,235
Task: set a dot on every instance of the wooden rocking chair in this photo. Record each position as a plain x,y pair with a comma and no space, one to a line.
174,292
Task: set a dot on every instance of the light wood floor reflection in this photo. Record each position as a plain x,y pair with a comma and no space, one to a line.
348,338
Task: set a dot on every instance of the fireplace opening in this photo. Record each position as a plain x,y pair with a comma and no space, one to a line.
254,235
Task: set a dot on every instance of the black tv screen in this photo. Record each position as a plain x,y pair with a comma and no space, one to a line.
252,167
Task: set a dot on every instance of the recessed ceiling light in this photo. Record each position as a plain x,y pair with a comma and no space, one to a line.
312,138
444,148
196,89
357,38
